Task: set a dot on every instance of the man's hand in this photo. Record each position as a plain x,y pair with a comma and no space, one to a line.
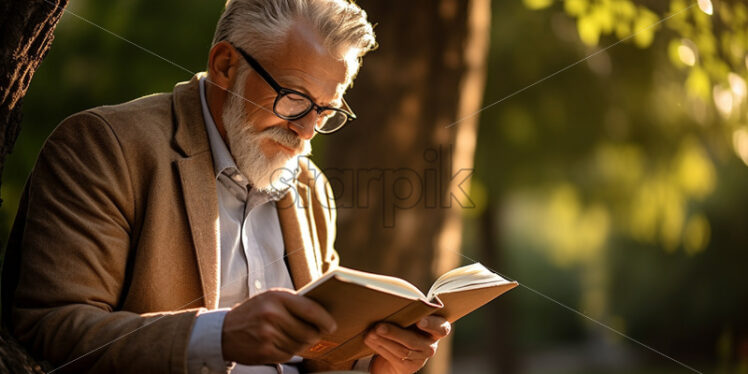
272,327
401,351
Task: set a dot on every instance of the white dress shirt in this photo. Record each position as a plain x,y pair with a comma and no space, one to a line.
251,256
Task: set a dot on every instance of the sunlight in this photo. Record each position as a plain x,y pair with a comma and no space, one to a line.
737,84
706,6
686,54
740,143
723,99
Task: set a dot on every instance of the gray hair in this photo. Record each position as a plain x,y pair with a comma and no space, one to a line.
259,26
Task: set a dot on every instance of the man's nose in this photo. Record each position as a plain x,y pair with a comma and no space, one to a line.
304,126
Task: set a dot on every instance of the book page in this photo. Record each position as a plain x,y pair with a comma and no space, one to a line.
357,300
465,278
385,283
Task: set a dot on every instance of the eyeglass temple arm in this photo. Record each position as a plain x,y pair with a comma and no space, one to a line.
348,109
258,68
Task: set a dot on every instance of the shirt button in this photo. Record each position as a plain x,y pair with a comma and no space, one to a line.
258,284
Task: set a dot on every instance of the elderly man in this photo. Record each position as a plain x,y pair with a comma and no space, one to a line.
157,235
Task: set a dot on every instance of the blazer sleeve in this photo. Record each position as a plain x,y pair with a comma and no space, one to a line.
74,247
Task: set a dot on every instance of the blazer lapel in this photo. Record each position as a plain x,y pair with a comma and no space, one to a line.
199,189
297,236
198,186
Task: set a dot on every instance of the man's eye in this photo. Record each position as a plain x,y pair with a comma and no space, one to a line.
296,99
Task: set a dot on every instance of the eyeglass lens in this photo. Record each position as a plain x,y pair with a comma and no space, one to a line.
291,105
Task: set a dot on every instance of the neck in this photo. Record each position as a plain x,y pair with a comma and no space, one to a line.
216,98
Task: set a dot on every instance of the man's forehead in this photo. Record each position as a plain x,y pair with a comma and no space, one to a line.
303,63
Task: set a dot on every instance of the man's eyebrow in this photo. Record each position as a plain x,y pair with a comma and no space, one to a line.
295,83
298,84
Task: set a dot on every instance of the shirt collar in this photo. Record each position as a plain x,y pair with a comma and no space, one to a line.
222,158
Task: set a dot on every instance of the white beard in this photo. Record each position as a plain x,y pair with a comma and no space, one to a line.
263,172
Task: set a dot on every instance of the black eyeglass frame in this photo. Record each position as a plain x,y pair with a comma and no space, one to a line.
282,91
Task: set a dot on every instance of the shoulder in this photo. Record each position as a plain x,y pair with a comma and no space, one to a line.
146,118
140,132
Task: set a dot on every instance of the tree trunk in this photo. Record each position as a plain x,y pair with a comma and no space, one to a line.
401,171
26,28
26,32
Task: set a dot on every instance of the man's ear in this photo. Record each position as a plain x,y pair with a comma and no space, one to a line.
222,65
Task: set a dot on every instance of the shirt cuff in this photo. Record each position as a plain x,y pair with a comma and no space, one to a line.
204,352
363,364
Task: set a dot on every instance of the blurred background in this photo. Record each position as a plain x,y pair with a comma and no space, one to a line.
607,173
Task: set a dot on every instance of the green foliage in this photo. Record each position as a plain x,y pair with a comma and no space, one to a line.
617,178
623,18
714,48
537,4
712,52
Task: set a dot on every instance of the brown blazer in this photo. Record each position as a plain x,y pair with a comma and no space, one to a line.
115,244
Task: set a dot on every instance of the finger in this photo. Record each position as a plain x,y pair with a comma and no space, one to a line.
404,352
282,353
278,326
292,333
275,346
310,312
298,330
389,350
409,363
411,340
437,327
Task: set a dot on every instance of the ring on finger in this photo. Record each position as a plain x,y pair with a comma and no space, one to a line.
407,356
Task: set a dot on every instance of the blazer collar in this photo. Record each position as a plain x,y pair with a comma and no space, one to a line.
190,135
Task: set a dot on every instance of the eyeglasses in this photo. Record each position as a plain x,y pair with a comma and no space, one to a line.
292,105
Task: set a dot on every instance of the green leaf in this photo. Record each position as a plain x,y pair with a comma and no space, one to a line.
623,29
698,83
674,54
537,4
604,17
576,7
624,9
589,30
645,27
707,43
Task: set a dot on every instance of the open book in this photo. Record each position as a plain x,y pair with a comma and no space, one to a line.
357,300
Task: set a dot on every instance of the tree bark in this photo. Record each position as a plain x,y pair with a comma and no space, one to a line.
26,32
400,170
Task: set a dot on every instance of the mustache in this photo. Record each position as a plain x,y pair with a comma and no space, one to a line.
284,136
